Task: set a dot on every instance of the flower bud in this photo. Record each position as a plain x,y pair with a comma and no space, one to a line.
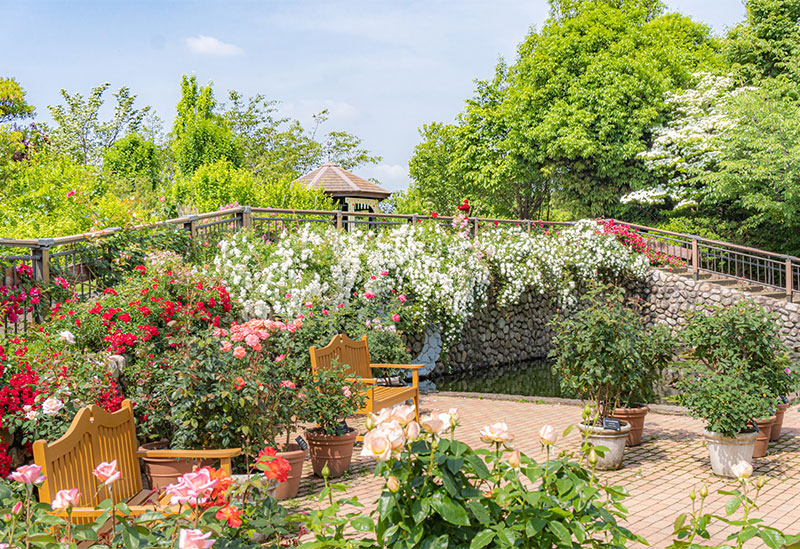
412,431
325,471
514,459
704,491
592,456
393,484
7,517
587,412
548,435
762,480
692,495
370,422
17,509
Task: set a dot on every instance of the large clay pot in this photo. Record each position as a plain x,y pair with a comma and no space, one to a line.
725,452
778,425
295,456
335,450
762,440
613,440
635,417
161,472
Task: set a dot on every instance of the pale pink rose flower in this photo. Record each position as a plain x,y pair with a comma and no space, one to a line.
376,444
548,435
251,340
394,434
27,474
107,473
412,431
403,413
65,499
239,352
402,298
383,416
497,432
226,346
433,424
191,488
515,459
194,539
742,470
346,391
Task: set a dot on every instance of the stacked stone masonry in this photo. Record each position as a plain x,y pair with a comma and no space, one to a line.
497,335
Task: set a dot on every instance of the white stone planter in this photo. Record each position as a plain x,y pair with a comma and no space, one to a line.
613,440
726,452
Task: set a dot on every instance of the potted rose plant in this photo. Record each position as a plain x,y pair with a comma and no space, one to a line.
603,353
731,374
331,398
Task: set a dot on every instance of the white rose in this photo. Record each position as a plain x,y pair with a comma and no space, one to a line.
67,336
52,406
31,415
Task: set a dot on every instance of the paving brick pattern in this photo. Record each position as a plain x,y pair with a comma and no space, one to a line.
659,474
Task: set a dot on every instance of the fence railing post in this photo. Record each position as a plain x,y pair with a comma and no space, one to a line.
475,228
339,220
695,258
529,223
191,226
414,220
41,260
789,279
246,217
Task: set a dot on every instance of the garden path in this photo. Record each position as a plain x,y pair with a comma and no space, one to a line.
659,474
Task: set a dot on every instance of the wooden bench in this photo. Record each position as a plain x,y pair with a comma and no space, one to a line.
96,436
355,354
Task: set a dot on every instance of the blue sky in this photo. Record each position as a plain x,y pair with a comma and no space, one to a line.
382,68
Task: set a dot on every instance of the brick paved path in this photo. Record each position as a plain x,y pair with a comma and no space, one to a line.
659,474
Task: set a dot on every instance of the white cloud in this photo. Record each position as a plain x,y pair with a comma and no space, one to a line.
208,45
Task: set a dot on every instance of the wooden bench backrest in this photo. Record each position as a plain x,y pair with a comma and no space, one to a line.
355,354
93,437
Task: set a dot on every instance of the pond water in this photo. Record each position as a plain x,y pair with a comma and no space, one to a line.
533,378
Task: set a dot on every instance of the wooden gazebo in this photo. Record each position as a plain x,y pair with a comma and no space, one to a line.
352,193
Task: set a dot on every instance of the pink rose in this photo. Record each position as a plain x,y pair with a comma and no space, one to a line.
288,296
194,539
395,317
403,413
65,499
191,488
107,473
376,444
384,273
239,352
251,340
346,391
369,295
288,384
70,193
402,298
28,474
309,305
280,358
324,311
340,305
226,346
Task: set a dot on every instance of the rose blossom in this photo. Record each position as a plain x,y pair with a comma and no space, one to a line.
65,499
393,484
412,431
742,470
67,337
191,488
31,415
251,340
226,346
194,539
376,444
52,406
395,317
239,352
498,433
346,391
369,295
288,384
27,474
514,459
402,298
403,413
107,473
433,424
548,435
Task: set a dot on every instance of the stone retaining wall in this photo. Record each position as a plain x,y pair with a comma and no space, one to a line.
519,333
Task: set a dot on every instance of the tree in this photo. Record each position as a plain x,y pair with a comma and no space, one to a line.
200,135
571,114
765,44
12,101
135,160
81,135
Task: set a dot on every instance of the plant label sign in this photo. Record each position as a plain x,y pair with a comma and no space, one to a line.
611,423
302,443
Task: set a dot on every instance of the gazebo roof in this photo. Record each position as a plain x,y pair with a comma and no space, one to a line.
340,183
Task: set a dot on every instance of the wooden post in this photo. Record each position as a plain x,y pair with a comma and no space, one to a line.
475,228
191,226
41,260
414,220
695,258
247,217
789,279
529,224
339,220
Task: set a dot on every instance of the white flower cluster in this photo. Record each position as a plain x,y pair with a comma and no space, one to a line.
439,276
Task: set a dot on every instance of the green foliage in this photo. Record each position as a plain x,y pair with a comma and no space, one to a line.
12,101
134,158
735,366
604,352
80,135
332,396
215,185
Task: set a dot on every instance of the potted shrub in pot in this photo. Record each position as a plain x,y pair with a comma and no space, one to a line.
729,377
331,398
603,353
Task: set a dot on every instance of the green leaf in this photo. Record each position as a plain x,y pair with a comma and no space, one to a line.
561,531
450,511
482,539
773,538
732,505
480,512
363,524
679,521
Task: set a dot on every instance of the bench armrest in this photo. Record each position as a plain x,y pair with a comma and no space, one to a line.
192,454
402,366
363,380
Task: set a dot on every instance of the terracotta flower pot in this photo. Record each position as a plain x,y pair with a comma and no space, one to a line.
161,472
635,417
725,452
335,450
295,456
762,440
778,425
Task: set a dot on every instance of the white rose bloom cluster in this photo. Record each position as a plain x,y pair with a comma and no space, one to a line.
444,274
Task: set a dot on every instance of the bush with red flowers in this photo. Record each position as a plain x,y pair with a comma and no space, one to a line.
634,240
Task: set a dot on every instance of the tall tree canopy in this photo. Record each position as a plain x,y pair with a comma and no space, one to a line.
574,110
